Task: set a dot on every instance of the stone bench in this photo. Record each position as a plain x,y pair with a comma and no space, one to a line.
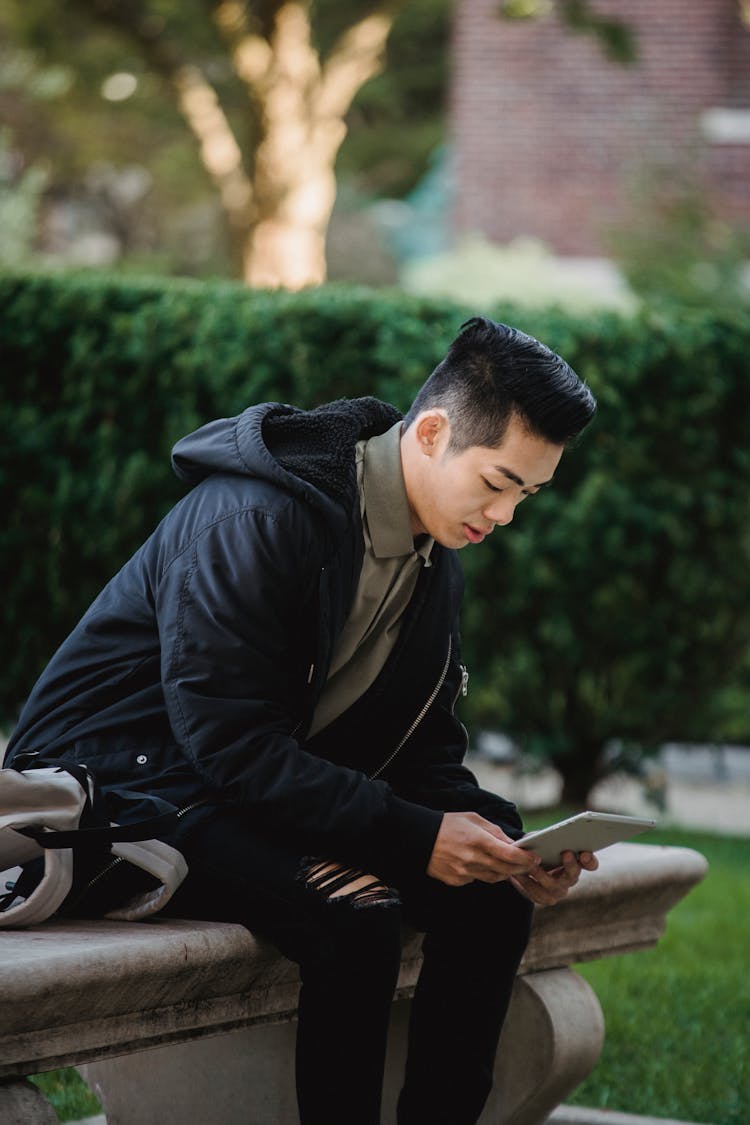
180,1022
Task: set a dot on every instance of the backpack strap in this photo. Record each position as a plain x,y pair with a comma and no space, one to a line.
162,818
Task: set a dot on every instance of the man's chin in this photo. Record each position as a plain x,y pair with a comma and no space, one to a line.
453,540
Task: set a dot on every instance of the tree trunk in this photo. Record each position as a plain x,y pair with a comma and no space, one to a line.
580,771
295,190
302,106
576,790
286,246
278,191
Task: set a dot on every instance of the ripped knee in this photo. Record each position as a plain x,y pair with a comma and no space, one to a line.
337,881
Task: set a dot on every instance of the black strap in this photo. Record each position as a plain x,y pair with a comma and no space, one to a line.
94,837
162,819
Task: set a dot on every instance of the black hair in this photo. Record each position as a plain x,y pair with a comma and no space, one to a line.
492,372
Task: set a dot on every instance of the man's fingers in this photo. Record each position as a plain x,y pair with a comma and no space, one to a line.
491,865
543,887
546,888
530,888
515,861
573,864
465,849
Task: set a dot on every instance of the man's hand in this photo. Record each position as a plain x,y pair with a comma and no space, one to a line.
468,847
545,888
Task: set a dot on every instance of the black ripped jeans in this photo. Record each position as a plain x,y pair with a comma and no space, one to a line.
349,955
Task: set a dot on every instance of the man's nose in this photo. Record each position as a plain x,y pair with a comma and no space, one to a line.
500,510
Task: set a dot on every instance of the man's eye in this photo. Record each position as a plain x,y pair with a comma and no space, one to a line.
492,487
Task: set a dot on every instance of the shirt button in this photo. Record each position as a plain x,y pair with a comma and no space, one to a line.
142,759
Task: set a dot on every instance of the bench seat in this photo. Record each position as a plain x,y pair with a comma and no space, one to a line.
77,993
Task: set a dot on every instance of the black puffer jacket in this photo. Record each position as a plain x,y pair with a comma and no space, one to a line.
197,669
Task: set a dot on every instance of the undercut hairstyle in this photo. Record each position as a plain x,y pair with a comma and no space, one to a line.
492,373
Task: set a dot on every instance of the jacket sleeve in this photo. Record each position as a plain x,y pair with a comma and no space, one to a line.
229,608
432,772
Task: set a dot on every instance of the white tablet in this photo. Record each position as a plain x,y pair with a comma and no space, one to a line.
586,832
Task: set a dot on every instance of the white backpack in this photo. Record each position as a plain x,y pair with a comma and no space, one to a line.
53,811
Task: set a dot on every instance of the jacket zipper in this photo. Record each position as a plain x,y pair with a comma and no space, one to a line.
463,687
115,862
189,808
421,715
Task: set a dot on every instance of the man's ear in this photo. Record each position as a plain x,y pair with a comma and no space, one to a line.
432,430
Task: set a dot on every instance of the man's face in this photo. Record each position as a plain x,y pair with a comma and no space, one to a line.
459,498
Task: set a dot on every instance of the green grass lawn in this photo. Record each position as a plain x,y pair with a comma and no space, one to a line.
677,1016
68,1093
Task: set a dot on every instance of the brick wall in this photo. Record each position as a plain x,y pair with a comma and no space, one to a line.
551,137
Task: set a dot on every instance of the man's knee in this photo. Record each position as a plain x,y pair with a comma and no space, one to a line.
357,919
337,881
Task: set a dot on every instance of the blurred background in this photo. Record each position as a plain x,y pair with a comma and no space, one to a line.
210,202
545,150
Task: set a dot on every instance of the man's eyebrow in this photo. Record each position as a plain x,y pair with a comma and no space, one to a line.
517,480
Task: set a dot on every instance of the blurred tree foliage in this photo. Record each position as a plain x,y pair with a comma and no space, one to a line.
677,247
20,194
614,607
398,119
200,64
266,88
616,37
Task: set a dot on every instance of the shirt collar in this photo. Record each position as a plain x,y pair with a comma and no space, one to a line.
385,502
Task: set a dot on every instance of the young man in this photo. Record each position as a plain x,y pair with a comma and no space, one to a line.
281,659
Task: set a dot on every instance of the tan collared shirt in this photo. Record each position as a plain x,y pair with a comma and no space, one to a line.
390,570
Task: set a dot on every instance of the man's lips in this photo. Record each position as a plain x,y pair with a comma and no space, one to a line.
473,535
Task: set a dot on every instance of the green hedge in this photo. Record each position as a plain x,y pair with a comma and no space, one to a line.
613,606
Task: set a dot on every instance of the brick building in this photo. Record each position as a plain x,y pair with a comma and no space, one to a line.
551,137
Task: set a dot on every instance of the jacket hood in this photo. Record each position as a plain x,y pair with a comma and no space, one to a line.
309,452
